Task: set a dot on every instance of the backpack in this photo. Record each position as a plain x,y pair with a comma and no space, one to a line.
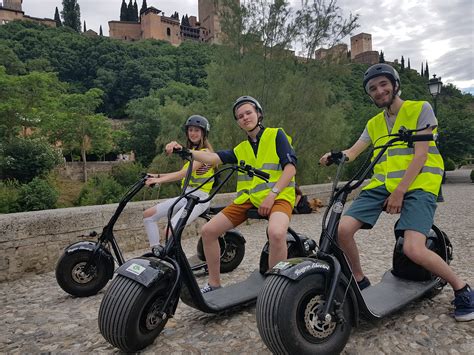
303,206
403,267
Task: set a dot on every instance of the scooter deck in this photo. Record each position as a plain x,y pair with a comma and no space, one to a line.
392,293
244,292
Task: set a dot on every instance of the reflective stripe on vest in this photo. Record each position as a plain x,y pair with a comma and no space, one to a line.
392,166
197,180
267,160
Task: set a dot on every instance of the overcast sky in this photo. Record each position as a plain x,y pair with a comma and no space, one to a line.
439,31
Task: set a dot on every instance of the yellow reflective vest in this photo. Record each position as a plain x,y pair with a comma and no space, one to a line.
393,164
197,179
267,160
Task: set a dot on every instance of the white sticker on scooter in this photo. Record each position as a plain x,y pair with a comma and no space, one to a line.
338,207
135,269
281,265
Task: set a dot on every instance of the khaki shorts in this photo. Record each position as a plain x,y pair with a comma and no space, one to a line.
237,214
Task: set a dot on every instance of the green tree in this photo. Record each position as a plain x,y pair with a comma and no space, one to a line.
320,23
37,195
403,64
381,57
23,159
26,100
57,19
144,7
101,34
71,14
123,11
79,128
135,11
84,27
427,71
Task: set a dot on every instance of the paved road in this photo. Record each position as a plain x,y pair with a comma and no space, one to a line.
36,316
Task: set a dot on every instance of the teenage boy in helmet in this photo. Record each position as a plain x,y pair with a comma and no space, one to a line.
405,181
197,132
269,150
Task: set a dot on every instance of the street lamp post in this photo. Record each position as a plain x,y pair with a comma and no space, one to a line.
434,85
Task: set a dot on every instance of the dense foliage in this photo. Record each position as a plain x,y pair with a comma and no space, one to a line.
64,85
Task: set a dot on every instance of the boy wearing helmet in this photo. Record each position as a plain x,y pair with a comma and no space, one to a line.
269,150
197,131
405,181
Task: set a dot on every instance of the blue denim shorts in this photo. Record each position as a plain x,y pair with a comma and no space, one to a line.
417,213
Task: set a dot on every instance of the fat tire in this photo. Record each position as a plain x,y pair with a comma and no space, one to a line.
230,242
279,323
64,271
122,310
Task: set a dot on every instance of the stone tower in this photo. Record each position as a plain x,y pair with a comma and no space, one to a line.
361,43
13,4
209,18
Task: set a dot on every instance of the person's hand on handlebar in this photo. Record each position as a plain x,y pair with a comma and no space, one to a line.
171,146
152,181
325,160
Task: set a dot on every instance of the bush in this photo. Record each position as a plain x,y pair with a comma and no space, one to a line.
472,175
24,159
126,174
9,196
100,189
449,165
37,195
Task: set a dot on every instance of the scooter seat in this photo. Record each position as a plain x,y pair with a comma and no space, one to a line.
253,214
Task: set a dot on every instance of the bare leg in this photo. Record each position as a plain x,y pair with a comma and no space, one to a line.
277,228
348,226
210,232
415,248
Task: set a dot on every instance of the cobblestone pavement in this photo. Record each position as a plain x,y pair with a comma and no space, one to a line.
37,316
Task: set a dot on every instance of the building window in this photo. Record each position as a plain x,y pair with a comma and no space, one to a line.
168,31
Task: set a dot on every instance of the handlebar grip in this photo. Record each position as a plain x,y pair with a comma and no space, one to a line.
261,174
422,137
183,152
334,157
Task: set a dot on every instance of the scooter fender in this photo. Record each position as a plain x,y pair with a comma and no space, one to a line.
297,268
101,253
147,271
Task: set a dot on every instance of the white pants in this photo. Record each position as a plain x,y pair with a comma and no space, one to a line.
161,210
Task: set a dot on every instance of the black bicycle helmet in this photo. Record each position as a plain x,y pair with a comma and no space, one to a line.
382,69
247,99
198,121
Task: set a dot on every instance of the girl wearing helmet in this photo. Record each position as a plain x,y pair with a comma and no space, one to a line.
267,149
197,131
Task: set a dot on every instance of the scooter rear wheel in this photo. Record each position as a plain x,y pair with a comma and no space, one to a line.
128,314
72,278
232,251
287,321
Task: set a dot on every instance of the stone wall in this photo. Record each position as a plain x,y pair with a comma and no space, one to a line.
32,242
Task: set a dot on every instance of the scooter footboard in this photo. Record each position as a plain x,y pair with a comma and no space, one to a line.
147,270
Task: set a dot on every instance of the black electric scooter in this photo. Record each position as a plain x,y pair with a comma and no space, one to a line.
309,305
85,267
146,291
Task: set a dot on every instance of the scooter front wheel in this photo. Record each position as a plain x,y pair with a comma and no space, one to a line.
130,315
75,280
287,317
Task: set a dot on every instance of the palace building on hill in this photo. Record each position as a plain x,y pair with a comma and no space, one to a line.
11,10
153,23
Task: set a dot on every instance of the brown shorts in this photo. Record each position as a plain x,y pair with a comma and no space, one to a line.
237,214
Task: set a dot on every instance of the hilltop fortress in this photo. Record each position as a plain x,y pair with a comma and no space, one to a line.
11,10
152,23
